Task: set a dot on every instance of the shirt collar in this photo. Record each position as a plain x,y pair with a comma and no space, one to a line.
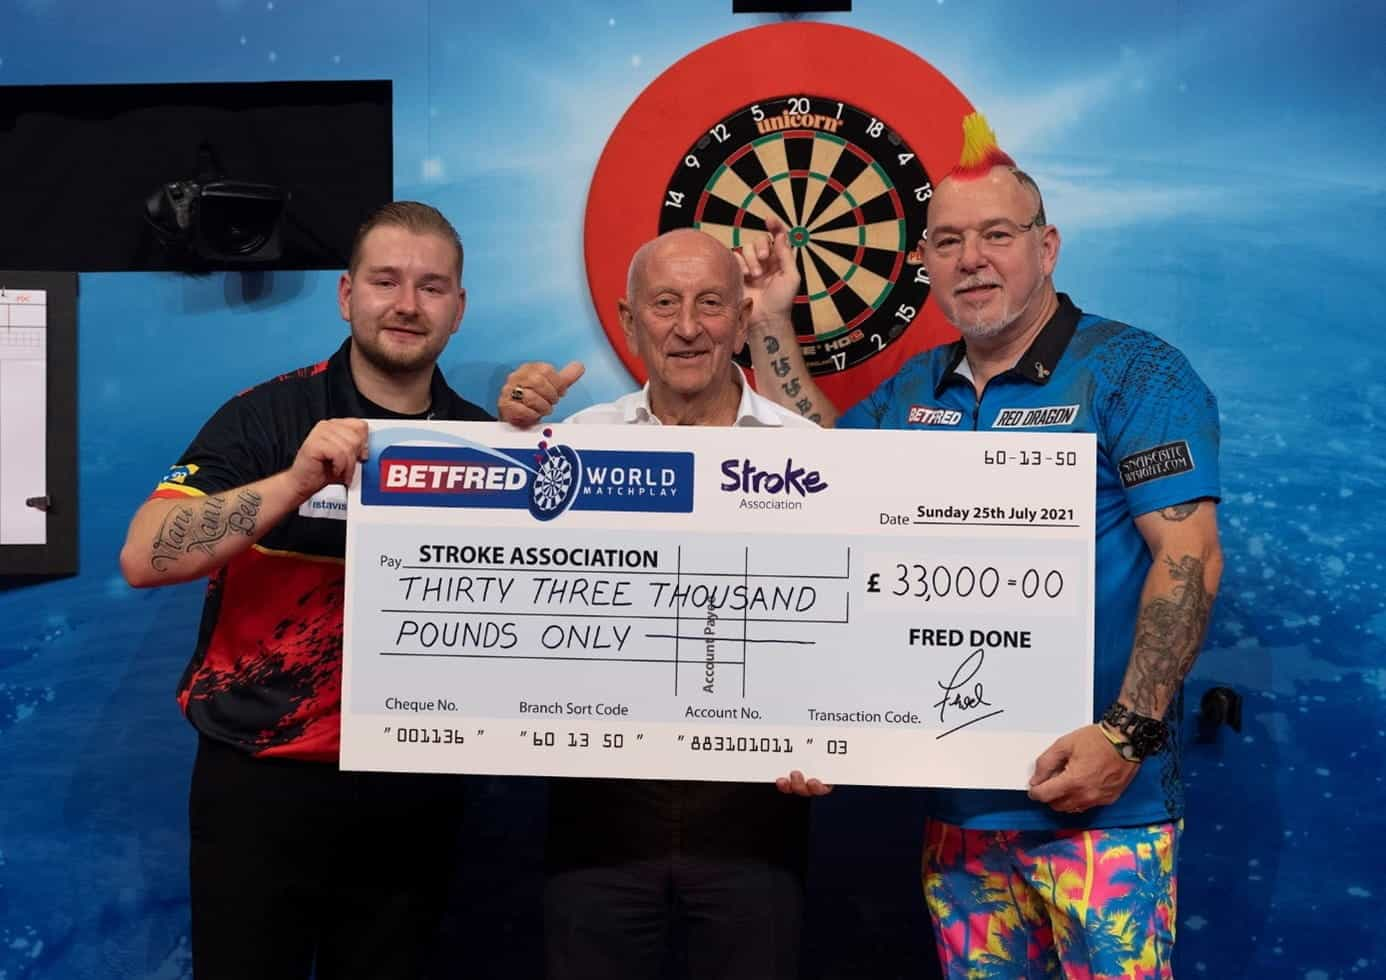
637,409
346,400
1037,364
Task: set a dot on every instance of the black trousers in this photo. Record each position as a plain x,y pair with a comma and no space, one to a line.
627,859
297,867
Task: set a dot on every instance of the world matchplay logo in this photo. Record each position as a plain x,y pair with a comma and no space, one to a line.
547,481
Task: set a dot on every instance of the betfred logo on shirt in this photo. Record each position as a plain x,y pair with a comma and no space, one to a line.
924,415
1035,418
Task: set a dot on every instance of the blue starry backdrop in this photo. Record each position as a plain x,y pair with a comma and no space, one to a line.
1215,169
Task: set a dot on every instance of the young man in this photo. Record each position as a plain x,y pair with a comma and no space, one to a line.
296,866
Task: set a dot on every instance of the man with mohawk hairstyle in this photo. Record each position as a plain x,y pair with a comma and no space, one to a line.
1077,876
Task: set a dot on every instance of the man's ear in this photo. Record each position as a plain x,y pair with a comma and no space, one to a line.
743,326
344,296
1049,246
627,316
461,310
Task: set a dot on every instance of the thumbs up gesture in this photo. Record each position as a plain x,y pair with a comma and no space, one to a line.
531,391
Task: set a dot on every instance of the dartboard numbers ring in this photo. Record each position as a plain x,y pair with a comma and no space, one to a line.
852,194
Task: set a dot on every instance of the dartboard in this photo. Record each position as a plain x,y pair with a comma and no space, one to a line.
839,134
853,195
557,479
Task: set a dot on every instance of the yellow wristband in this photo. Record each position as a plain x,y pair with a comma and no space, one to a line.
1113,737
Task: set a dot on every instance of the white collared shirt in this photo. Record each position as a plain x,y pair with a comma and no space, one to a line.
634,409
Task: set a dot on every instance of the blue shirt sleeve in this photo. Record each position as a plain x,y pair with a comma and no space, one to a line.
1161,428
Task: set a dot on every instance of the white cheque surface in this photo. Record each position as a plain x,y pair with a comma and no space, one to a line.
889,608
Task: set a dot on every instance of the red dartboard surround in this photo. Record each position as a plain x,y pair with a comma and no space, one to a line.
839,133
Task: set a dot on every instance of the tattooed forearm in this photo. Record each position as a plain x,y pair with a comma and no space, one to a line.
198,527
1168,634
1180,512
793,380
792,387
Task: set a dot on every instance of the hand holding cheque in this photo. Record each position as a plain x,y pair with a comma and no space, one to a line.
875,607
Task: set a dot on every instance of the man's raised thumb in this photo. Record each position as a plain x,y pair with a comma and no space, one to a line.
570,373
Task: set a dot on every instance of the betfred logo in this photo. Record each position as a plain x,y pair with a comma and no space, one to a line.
924,415
431,476
547,479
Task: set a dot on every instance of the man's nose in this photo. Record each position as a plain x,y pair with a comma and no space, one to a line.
972,256
688,326
406,302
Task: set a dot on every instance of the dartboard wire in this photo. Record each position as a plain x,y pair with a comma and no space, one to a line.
872,289
754,163
826,151
822,311
770,151
863,189
885,236
851,207
846,170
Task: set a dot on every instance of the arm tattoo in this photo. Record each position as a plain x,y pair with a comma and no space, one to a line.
188,527
781,367
1180,512
772,346
1168,634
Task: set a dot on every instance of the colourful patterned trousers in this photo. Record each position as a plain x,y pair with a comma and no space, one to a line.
1071,904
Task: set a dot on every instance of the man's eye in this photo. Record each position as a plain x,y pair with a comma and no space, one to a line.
997,236
383,283
946,241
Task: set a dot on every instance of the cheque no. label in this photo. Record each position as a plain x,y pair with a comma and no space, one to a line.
888,608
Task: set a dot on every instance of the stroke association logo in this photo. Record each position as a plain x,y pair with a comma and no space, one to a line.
546,481
781,487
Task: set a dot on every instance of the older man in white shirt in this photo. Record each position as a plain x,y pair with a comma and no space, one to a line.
626,856
686,312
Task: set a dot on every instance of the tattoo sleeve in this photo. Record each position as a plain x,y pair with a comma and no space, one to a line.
793,386
1180,512
199,526
1169,631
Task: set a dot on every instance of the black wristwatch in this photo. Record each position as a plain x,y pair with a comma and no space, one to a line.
1143,736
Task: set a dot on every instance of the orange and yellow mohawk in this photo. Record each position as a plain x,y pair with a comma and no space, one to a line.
980,152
